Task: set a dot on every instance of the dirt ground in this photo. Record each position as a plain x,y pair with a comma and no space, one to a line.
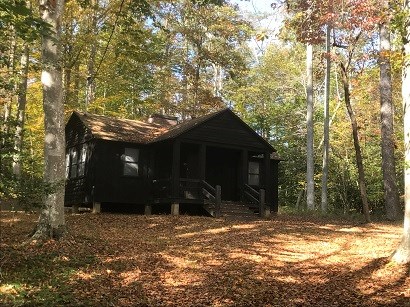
135,260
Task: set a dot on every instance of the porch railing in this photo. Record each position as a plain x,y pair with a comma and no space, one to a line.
212,194
194,189
257,199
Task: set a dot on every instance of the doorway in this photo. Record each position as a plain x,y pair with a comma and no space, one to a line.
222,168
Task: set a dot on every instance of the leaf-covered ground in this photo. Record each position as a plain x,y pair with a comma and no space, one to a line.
133,260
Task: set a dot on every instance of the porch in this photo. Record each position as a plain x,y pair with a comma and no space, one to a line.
212,176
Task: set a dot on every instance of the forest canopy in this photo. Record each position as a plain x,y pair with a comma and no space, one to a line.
129,59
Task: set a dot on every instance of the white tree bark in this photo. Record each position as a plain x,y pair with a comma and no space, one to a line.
391,194
402,254
51,223
21,111
326,125
310,168
91,82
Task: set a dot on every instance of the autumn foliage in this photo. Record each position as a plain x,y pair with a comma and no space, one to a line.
131,260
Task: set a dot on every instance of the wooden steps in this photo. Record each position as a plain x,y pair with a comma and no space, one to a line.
232,210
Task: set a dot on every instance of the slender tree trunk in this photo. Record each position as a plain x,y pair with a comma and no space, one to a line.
67,84
326,125
90,83
402,254
217,79
310,168
76,89
196,89
185,83
21,111
51,222
11,94
391,194
355,132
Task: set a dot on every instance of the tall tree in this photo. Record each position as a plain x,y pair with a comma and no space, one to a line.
402,254
391,195
91,82
21,110
326,124
355,134
51,222
310,159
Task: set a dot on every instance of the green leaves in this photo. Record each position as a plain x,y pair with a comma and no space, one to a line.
22,18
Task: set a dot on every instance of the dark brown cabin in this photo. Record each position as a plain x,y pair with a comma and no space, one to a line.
215,161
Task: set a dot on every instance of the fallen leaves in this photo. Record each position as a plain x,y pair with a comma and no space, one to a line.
132,260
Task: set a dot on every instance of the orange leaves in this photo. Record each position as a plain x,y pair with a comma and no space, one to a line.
132,260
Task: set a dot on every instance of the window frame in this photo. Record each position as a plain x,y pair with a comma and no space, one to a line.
76,160
130,163
73,163
81,161
254,174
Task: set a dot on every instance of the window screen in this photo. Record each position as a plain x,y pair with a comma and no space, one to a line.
74,163
253,177
81,160
130,162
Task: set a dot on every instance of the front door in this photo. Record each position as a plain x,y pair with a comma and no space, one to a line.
222,169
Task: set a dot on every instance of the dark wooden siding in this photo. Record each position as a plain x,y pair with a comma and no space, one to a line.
110,185
228,130
76,132
79,190
275,199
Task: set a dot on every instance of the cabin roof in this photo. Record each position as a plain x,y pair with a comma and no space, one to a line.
134,131
177,130
116,129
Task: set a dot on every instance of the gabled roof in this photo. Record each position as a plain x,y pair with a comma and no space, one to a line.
177,130
134,131
116,129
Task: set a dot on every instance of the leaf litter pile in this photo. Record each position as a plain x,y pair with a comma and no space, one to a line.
134,260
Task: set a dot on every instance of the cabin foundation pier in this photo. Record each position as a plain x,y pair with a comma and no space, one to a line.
74,209
96,208
175,209
148,209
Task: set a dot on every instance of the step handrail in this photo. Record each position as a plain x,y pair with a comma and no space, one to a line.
256,197
251,191
213,194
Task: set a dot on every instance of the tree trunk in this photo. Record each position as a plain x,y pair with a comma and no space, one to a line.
67,84
326,126
76,89
21,111
11,70
391,195
402,254
355,132
51,223
90,83
310,168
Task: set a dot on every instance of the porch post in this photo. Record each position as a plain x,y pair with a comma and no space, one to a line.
96,207
244,173
175,209
268,180
74,208
176,157
148,209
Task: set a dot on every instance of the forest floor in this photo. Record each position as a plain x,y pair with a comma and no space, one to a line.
135,260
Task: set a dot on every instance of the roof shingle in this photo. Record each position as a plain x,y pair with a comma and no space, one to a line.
134,131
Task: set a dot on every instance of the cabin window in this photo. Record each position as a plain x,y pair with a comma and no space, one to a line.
253,176
74,162
81,161
67,165
130,162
